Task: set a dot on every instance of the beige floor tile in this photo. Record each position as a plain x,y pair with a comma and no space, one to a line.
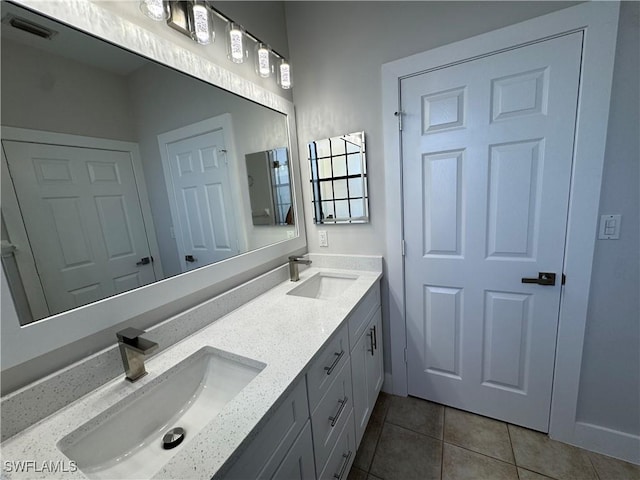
536,451
609,468
480,434
461,464
415,414
367,447
529,475
405,455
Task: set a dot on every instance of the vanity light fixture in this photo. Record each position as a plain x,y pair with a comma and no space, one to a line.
235,42
203,32
194,18
284,74
263,60
157,10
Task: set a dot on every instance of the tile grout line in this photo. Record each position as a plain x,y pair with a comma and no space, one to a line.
444,419
375,449
595,470
513,452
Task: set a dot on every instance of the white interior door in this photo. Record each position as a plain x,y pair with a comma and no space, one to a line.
83,218
205,222
487,155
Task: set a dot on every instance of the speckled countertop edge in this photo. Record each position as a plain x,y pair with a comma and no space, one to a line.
283,331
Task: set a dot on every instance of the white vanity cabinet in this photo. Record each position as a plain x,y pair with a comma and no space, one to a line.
282,445
367,369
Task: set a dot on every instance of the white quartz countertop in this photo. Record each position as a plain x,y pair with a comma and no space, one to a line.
285,332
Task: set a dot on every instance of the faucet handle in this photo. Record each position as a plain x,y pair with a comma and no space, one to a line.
129,335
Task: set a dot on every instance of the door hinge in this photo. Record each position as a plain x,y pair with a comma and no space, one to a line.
564,279
399,114
403,248
405,355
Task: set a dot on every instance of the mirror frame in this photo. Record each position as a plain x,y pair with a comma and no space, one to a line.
23,343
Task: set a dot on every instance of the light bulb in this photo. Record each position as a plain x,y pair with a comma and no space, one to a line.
284,74
235,43
202,26
155,9
263,60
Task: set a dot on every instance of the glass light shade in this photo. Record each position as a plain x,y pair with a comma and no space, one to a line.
263,60
202,24
235,43
284,74
157,10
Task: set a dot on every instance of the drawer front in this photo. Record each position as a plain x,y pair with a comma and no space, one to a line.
342,456
360,317
268,448
326,366
331,415
298,464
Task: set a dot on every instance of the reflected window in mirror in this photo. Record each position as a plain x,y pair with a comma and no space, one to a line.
269,180
339,179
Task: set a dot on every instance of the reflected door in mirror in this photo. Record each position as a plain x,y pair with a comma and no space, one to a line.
205,217
83,219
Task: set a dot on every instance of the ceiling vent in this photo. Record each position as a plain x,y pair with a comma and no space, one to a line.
29,26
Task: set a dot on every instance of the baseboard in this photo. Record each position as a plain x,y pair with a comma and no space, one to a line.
613,443
387,385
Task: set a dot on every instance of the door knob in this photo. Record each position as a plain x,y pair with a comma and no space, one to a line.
190,258
144,261
544,278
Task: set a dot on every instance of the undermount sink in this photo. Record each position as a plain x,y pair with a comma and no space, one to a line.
126,441
324,286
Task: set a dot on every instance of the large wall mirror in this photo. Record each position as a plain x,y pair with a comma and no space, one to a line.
120,172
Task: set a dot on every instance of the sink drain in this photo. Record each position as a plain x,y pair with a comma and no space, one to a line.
173,438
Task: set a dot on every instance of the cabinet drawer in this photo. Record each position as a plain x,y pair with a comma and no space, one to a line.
360,317
342,456
331,415
326,366
268,448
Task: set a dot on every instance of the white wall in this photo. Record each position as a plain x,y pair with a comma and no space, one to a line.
337,49
42,91
610,379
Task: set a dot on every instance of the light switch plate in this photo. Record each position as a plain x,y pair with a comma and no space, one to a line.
322,238
609,227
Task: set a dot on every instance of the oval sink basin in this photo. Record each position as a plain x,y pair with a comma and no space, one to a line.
126,441
324,286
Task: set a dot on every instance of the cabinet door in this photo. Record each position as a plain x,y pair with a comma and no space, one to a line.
298,464
367,372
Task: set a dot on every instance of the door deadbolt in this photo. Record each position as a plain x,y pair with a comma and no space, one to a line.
190,258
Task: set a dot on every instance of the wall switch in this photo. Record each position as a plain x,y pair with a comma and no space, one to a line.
609,227
322,238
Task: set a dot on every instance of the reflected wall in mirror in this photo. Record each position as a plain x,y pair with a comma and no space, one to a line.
117,171
339,179
269,181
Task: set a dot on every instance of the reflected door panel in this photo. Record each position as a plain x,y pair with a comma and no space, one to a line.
83,218
200,178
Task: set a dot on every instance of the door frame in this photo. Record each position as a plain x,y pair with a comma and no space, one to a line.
220,122
11,209
599,22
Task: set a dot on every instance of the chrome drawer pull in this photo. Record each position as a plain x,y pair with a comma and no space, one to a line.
375,338
335,418
343,469
335,362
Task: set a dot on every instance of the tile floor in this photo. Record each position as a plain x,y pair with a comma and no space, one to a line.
409,438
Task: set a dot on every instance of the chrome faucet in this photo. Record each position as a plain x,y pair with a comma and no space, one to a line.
294,260
133,348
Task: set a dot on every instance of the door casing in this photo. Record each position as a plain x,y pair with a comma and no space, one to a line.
599,21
